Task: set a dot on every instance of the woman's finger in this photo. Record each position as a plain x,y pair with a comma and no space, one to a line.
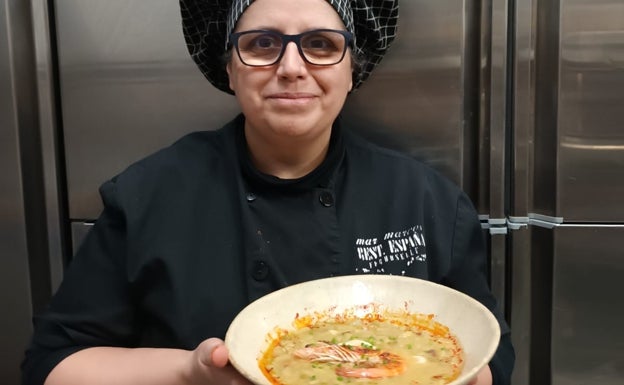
212,352
220,356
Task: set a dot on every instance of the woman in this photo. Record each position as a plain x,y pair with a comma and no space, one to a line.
282,194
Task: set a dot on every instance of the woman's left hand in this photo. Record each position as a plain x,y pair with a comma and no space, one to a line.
484,377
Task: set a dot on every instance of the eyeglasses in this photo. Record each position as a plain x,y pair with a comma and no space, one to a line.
321,47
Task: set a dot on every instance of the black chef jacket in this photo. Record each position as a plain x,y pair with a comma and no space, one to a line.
193,233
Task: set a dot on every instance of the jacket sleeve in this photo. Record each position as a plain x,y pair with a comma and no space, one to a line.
468,274
93,306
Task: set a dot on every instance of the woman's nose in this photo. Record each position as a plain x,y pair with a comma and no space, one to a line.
291,64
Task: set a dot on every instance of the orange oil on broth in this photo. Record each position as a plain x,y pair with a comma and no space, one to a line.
428,353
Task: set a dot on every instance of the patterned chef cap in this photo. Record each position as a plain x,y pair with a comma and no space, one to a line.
207,25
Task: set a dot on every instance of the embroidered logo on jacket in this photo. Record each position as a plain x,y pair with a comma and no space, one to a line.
393,253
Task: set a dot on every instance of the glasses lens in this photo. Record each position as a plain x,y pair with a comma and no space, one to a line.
259,48
323,47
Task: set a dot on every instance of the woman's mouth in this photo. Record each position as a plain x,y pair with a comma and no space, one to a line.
291,99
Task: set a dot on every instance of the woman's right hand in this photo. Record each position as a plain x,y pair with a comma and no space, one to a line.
210,365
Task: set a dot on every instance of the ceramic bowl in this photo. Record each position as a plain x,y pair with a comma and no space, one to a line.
473,324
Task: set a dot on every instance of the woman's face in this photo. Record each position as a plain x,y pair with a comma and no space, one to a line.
290,98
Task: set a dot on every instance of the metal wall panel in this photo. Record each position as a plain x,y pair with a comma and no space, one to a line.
494,127
588,309
15,294
129,87
590,181
519,240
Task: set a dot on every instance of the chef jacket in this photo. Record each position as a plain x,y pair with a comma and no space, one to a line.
193,233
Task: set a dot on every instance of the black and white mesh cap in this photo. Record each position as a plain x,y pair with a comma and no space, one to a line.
207,25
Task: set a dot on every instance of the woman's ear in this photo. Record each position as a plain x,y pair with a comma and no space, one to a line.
228,69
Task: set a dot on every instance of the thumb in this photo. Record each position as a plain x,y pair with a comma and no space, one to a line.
213,352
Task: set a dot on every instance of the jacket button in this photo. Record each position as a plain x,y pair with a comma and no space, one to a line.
260,271
251,197
326,199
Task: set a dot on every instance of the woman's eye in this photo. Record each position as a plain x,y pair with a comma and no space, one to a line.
320,42
265,41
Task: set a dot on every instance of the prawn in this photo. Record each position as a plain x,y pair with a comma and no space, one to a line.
364,361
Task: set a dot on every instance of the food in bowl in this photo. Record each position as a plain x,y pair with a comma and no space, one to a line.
363,343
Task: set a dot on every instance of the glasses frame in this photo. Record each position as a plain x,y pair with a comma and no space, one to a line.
286,39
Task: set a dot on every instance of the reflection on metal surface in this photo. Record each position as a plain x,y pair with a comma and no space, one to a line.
545,218
592,145
594,49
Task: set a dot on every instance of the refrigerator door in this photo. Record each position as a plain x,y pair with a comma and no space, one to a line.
569,181
577,168
590,183
588,262
588,308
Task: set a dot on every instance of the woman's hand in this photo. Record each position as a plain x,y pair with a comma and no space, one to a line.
210,365
484,377
206,365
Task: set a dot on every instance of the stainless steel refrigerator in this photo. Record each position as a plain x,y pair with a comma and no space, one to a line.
519,102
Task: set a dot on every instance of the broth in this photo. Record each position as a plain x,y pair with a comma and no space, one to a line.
385,350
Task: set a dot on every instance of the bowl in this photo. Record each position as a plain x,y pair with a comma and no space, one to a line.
475,327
